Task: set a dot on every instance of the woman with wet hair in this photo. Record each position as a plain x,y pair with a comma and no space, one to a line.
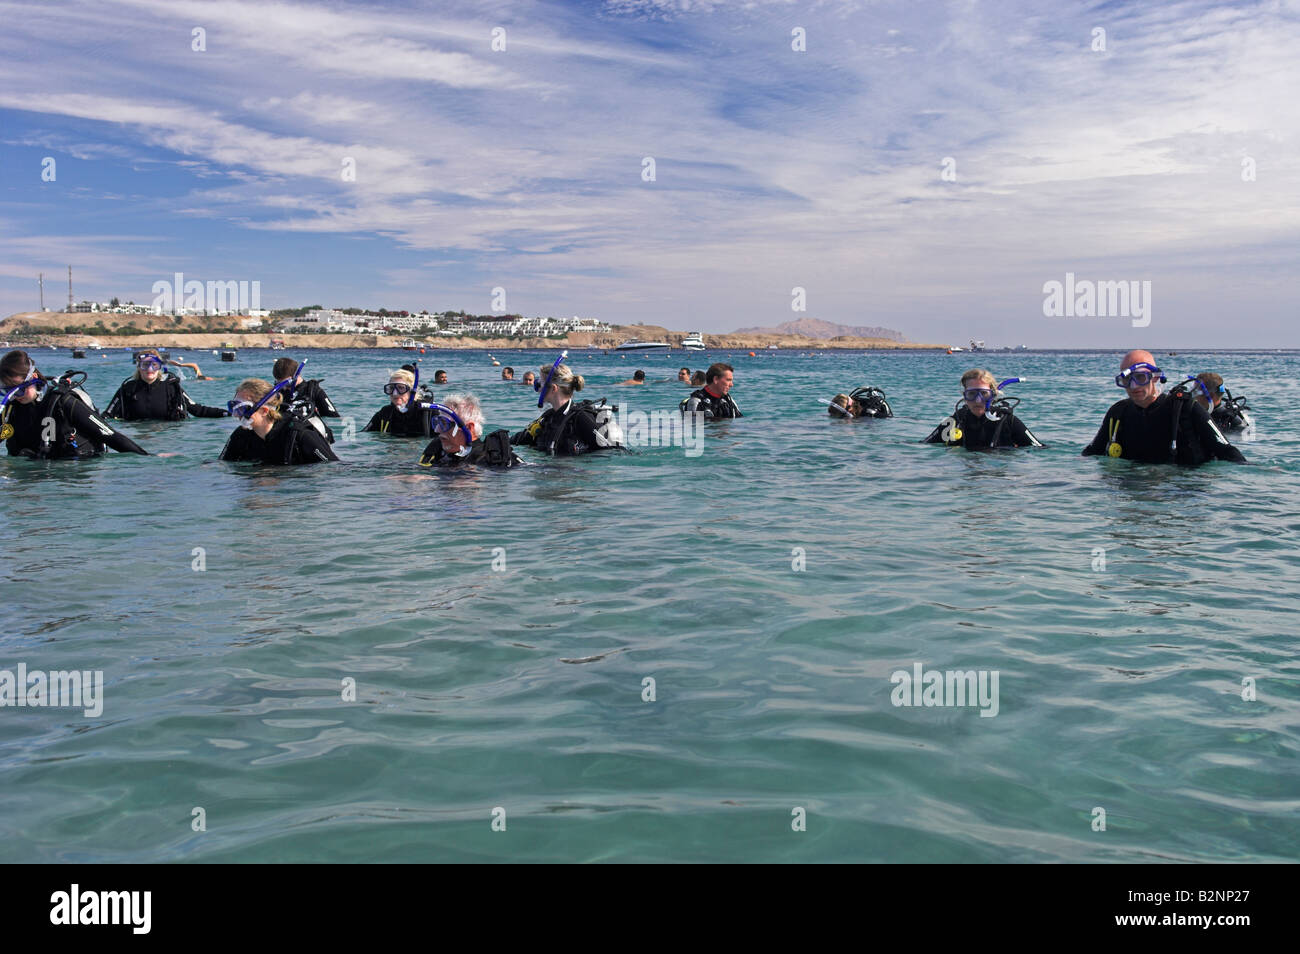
267,436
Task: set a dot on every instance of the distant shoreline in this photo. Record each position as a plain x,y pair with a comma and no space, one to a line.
585,340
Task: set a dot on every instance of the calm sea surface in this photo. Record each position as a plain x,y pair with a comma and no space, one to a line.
523,688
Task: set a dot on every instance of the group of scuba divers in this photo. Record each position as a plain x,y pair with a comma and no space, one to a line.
1184,426
285,422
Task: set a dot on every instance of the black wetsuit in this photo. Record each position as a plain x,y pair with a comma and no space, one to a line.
290,441
490,451
416,422
163,400
567,432
78,429
871,403
1228,417
1172,430
981,433
312,394
711,405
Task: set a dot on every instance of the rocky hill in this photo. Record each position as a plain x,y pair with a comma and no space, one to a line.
818,329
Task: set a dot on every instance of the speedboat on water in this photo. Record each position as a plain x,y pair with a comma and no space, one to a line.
644,346
693,342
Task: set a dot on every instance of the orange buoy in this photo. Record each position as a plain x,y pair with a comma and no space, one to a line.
752,355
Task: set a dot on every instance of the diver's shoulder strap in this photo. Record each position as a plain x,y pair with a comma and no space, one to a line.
1176,418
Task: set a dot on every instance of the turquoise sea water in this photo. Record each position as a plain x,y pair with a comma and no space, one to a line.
522,688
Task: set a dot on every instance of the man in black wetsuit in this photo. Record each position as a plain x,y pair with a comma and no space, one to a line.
459,440
714,399
308,392
979,423
153,395
54,420
1157,428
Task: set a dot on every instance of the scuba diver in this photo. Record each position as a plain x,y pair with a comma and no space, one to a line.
1227,412
714,399
456,422
303,400
408,412
567,427
985,417
268,436
303,392
863,402
1157,428
52,419
155,394
198,375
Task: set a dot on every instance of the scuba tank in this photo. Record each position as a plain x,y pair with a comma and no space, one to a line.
608,432
65,441
303,414
872,401
605,424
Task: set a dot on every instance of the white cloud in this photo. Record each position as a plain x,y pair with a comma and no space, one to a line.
770,163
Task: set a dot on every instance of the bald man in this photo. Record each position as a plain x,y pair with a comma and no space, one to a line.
1157,428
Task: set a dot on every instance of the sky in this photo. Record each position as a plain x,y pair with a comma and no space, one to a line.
926,167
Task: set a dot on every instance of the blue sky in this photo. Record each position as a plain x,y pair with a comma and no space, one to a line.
522,168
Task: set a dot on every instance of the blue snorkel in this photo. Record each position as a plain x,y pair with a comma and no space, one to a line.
445,421
27,382
293,379
441,412
550,375
415,389
1183,386
1006,404
236,408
